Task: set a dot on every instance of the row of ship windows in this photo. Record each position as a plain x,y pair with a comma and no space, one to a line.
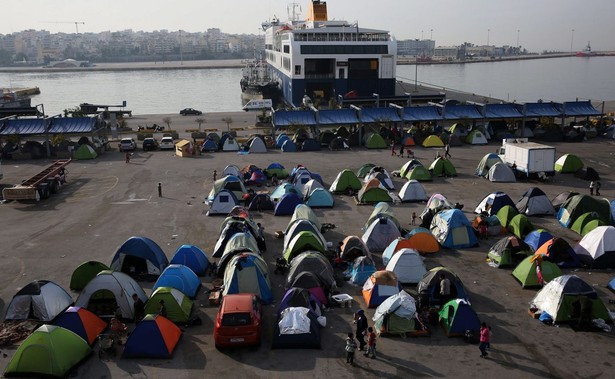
341,37
338,49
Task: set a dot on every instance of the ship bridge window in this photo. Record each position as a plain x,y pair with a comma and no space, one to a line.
363,69
298,70
286,49
344,49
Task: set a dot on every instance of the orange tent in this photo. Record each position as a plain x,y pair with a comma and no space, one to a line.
380,286
424,243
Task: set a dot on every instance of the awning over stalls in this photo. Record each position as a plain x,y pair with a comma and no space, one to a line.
338,117
494,111
379,115
423,113
458,112
577,109
540,110
25,126
289,118
73,125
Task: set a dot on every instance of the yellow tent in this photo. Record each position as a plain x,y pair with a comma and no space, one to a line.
433,141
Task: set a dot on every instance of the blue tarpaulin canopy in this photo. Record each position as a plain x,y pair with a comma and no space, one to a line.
338,117
287,118
502,111
379,114
577,109
26,126
423,113
457,112
73,125
541,110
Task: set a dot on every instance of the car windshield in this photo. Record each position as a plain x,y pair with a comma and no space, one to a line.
166,140
236,319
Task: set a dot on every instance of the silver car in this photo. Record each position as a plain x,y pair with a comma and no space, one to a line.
167,143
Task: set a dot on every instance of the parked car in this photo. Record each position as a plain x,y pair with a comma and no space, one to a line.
190,111
127,144
150,143
239,321
167,143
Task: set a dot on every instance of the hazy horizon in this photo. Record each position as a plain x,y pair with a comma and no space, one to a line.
560,25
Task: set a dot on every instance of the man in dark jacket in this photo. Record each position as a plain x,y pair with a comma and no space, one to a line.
139,307
361,320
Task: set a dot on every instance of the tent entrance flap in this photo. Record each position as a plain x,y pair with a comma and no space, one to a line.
133,265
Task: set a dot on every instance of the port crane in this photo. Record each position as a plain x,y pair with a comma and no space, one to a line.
67,22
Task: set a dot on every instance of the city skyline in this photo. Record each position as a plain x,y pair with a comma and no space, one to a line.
560,25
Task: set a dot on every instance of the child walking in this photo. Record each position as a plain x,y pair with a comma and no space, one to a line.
371,343
485,337
351,346
393,147
413,218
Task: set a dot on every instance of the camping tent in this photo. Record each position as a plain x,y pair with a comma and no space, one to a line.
436,203
586,222
277,169
428,289
296,327
537,237
458,129
110,289
525,272
228,143
557,297
364,170
282,190
289,146
422,240
231,170
453,230
374,141
509,252
442,167
576,205
257,145
154,337
300,225
50,351
40,300
408,166
368,195
433,141
223,203
139,256
314,262
192,257
486,163
506,213
286,205
494,227
345,179
360,269
314,284
85,152
304,212
395,246
408,265
568,164
597,248
534,202
84,273
177,304
248,273
239,242
380,234
559,251
395,315
261,202
457,316
561,199
379,286
380,173
82,322
230,182
231,229
520,226
419,173
310,186
412,191
353,247
493,202
476,137
320,198
303,241
382,210
209,145
179,277
500,172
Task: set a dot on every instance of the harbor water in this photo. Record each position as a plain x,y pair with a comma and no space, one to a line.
218,90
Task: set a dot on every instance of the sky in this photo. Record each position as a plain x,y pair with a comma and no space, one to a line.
538,25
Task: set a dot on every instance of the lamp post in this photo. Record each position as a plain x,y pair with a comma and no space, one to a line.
377,96
421,34
518,38
571,39
431,34
488,31
409,98
416,75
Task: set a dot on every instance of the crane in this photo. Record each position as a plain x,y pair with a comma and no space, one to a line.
67,22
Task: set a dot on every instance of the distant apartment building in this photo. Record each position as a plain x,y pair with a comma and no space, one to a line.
416,47
446,52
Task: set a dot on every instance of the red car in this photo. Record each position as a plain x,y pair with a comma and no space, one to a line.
239,321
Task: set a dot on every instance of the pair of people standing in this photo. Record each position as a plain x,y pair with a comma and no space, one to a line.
595,184
362,331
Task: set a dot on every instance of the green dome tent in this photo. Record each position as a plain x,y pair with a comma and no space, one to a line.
303,241
419,173
51,351
520,226
586,222
85,152
408,166
442,167
345,179
576,205
177,303
476,137
84,273
525,272
506,213
365,169
375,141
433,141
568,164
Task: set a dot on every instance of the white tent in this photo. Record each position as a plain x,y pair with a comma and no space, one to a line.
500,172
310,186
408,265
412,191
597,248
380,234
231,170
301,178
401,305
119,284
230,144
41,300
476,138
223,203
258,145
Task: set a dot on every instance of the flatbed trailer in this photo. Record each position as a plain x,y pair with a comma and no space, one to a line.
41,185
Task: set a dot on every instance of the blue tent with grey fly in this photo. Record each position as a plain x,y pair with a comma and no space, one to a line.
139,256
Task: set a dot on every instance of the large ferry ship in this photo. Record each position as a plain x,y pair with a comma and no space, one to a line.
324,59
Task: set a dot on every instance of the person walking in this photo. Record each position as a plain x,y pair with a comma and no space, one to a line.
592,184
371,343
401,150
139,307
361,320
393,148
485,337
598,185
447,149
351,346
159,189
128,157
215,175
413,218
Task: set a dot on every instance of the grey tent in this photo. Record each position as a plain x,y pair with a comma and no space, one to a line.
500,172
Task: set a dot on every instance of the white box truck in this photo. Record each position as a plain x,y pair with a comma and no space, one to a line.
530,158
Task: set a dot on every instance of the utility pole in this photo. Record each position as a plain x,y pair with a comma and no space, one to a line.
77,25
